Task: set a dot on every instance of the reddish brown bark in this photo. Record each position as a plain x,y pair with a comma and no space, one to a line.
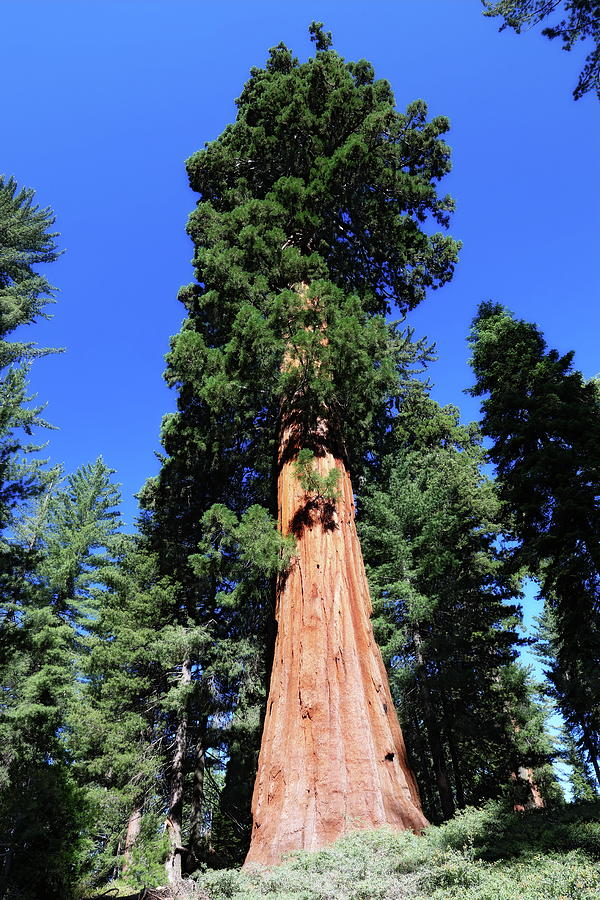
533,798
530,793
332,758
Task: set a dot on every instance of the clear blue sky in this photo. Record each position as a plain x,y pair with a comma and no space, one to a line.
104,100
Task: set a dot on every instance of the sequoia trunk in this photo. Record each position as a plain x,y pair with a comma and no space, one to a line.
332,758
531,796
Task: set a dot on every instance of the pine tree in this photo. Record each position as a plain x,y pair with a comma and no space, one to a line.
580,23
574,690
583,784
120,727
43,806
26,240
544,423
430,529
73,529
39,820
309,229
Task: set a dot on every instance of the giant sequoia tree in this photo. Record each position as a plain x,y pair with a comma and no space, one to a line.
313,223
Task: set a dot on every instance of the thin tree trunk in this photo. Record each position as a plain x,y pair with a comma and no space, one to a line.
332,757
454,756
174,817
589,746
423,755
197,839
434,735
134,826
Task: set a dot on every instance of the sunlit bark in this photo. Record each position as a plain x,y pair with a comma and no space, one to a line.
332,757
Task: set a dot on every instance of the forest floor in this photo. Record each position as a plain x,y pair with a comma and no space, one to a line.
485,854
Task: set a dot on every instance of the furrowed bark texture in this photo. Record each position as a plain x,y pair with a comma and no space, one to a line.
332,757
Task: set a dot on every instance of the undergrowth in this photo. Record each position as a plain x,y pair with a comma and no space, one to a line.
484,854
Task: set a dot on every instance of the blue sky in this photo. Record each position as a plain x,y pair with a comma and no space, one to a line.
104,100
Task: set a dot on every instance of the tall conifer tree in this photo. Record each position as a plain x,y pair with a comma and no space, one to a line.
43,806
544,423
309,230
445,613
38,821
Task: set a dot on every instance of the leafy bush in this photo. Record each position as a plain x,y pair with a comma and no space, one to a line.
496,833
568,877
481,854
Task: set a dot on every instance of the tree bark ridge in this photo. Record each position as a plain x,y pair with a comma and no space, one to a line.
332,757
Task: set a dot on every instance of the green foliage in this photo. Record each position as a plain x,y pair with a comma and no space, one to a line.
429,527
318,182
544,424
42,808
316,215
72,528
246,546
122,722
26,241
583,786
322,487
494,832
45,811
484,854
581,23
147,867
322,39
22,476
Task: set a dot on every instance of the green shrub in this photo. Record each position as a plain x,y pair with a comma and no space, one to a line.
482,854
223,884
568,877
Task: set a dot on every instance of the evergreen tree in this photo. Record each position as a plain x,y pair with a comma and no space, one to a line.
308,230
581,22
40,808
430,532
38,817
574,690
583,784
73,528
26,240
43,807
120,728
544,424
